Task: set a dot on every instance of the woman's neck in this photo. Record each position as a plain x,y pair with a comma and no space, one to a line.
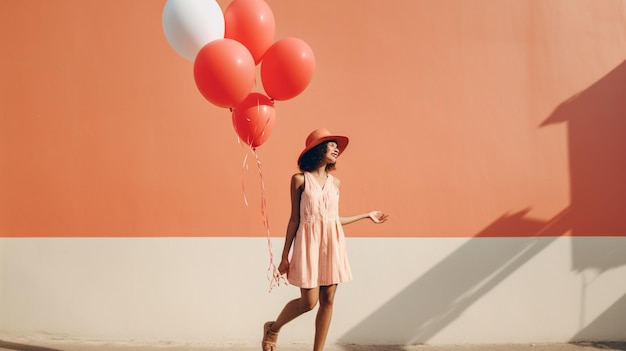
320,172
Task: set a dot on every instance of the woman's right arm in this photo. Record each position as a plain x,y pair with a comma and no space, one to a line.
297,185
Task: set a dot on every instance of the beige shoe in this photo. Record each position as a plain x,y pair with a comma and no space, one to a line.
267,344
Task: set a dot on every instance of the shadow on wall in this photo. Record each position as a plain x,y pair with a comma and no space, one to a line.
442,294
596,127
596,124
607,325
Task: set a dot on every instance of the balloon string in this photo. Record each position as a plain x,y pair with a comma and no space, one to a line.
273,275
244,168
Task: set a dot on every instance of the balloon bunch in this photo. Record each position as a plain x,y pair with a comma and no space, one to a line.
226,49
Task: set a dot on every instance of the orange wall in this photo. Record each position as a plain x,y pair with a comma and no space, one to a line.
466,118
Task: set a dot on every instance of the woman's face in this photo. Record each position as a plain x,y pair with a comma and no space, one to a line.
332,152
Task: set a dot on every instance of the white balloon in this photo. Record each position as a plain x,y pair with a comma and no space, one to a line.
191,24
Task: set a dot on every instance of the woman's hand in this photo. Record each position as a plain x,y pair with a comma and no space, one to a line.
378,217
283,267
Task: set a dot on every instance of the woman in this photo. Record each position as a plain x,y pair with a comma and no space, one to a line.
315,236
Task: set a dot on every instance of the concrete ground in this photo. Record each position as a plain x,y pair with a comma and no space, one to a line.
27,344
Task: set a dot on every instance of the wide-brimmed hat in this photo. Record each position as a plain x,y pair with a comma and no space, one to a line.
321,135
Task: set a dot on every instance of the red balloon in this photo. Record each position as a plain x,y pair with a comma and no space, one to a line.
251,22
224,72
254,119
287,68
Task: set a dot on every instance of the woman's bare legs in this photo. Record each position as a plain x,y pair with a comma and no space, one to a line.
294,308
306,302
324,315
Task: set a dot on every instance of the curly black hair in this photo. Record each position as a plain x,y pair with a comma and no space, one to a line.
312,158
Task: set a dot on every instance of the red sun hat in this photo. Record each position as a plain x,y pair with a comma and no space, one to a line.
321,135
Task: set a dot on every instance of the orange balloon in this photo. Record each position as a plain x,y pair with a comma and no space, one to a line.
254,119
287,68
251,22
224,72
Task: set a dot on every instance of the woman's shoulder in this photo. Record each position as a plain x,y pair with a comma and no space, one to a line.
297,180
336,181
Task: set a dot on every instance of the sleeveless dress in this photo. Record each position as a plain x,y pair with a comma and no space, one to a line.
319,254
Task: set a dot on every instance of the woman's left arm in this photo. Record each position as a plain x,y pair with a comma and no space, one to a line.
376,217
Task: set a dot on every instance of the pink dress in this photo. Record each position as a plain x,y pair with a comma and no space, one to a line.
319,255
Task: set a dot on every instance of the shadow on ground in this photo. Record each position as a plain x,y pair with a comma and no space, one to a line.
5,345
603,345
